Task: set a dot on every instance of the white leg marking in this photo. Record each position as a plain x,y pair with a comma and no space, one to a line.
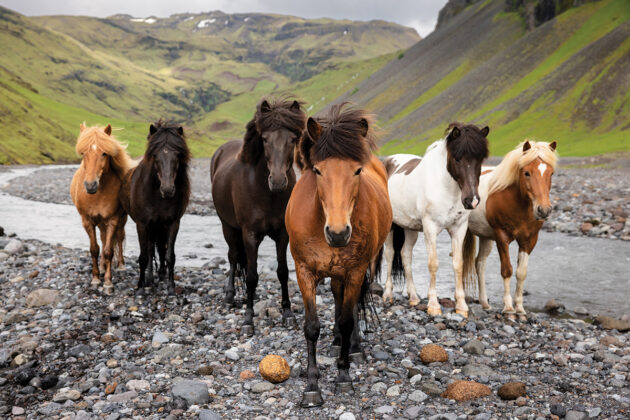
521,273
388,251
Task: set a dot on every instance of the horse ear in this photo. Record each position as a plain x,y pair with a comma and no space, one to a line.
81,127
152,130
295,106
364,125
313,128
485,131
526,146
265,107
553,145
455,133
108,130
180,130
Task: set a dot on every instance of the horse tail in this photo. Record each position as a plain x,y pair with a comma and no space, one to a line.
398,270
367,311
469,272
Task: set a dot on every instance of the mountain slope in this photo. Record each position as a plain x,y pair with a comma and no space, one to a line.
566,79
57,71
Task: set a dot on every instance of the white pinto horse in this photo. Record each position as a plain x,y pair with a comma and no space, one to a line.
431,194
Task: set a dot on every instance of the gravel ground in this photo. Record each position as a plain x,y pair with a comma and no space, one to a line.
67,351
591,196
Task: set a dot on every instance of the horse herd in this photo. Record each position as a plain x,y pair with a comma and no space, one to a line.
347,210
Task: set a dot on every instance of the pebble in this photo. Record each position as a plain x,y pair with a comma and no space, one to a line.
418,396
474,347
347,416
193,392
393,391
260,387
65,394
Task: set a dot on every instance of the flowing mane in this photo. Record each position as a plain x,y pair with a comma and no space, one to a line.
95,137
345,134
507,173
271,114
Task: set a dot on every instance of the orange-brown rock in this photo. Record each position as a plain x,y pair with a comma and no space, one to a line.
109,389
246,374
512,390
274,369
433,353
465,390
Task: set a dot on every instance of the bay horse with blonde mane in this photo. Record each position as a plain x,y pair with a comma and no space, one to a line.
515,203
94,191
338,218
155,194
252,181
430,194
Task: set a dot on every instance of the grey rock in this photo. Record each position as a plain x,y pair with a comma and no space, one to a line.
347,416
260,387
232,354
379,388
50,409
444,416
558,410
122,397
474,347
170,351
65,394
509,330
594,412
393,391
575,415
159,338
384,409
381,355
417,396
413,412
431,389
192,391
207,414
13,247
474,369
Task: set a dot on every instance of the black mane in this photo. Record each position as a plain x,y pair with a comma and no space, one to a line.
471,141
271,114
344,133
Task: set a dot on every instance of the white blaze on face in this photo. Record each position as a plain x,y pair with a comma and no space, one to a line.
542,168
93,147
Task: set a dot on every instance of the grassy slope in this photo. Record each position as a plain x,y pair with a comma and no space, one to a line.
551,115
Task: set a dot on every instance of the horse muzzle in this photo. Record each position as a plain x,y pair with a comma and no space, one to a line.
167,192
277,184
91,187
338,239
470,203
542,212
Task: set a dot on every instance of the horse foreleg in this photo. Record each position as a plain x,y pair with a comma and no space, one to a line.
351,294
110,229
388,253
503,244
251,242
411,236
485,246
288,319
457,242
170,255
143,259
234,240
94,251
336,284
307,282
101,263
521,273
430,238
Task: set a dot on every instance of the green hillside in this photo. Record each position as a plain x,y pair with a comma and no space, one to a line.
57,71
566,78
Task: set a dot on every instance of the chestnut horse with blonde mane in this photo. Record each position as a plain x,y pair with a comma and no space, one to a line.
515,203
338,217
94,190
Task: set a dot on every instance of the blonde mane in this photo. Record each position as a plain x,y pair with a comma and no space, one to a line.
507,172
95,137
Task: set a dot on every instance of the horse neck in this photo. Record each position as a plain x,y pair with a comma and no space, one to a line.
436,160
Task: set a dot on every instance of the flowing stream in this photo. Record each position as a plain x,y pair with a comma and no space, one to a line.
576,271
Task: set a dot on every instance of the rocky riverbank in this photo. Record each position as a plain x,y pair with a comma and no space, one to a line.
591,196
70,352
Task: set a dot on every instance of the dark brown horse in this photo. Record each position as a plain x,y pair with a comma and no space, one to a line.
338,218
155,194
252,181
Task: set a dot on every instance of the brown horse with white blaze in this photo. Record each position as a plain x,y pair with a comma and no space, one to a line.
338,218
94,190
515,203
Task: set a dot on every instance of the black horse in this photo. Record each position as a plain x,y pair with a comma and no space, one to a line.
155,194
252,181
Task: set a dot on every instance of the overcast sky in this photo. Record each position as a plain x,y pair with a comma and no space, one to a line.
419,14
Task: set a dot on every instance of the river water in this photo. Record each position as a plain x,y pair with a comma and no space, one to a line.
576,271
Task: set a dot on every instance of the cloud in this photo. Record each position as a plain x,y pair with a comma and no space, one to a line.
419,14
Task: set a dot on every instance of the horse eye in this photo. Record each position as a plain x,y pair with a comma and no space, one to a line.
527,174
316,171
104,154
358,171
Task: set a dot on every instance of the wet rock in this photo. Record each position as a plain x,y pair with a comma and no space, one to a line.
274,369
609,323
465,391
512,390
474,347
553,307
431,353
42,297
193,392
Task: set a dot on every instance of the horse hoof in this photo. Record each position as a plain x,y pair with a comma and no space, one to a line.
344,388
289,321
462,313
388,299
335,351
108,289
434,311
415,302
140,291
356,358
247,330
121,268
522,317
95,283
312,399
510,316
486,307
